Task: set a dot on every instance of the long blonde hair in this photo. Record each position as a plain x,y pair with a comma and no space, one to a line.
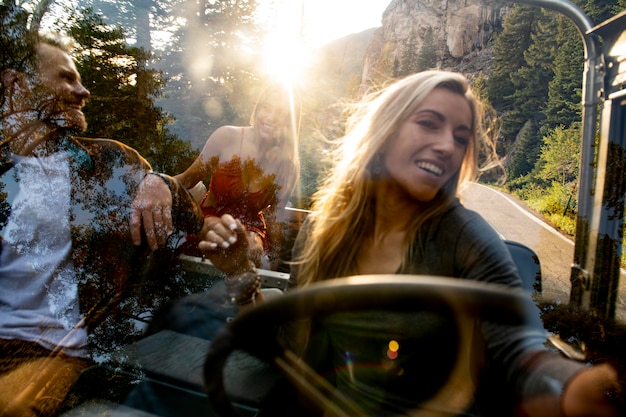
287,97
343,206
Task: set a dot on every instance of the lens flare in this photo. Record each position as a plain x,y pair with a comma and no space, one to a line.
394,346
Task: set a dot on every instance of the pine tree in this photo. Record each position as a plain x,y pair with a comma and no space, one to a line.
13,36
530,82
383,68
565,90
211,80
408,62
559,154
524,155
427,58
510,45
120,107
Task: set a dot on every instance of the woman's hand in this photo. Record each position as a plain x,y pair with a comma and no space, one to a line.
152,209
594,391
224,241
227,244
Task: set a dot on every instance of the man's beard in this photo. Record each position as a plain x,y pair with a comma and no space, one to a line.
71,121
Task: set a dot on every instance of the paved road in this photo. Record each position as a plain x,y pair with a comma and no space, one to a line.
515,221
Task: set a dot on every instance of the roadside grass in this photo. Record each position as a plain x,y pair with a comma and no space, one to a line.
557,204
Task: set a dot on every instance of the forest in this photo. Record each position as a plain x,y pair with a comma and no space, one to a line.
536,88
146,60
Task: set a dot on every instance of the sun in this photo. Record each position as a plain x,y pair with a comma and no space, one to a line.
286,52
286,59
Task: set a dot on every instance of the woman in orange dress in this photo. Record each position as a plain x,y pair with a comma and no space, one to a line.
254,171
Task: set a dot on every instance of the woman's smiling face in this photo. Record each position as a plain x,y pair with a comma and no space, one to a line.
430,145
270,120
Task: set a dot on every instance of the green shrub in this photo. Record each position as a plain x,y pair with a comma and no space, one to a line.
558,204
566,224
555,199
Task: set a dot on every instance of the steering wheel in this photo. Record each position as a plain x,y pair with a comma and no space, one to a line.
253,330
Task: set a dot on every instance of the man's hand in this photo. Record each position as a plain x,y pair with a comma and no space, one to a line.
152,209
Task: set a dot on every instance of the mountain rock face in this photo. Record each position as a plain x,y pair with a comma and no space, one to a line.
462,31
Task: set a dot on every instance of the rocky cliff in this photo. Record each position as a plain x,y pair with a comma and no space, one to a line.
462,31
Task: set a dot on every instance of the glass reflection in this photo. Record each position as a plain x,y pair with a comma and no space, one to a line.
73,283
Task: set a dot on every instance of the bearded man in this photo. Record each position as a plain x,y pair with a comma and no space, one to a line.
72,218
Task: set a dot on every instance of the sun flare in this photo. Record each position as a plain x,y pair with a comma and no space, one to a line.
286,59
286,53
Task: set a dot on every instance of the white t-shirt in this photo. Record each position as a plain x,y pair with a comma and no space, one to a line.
38,286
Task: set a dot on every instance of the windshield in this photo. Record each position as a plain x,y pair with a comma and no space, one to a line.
170,165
